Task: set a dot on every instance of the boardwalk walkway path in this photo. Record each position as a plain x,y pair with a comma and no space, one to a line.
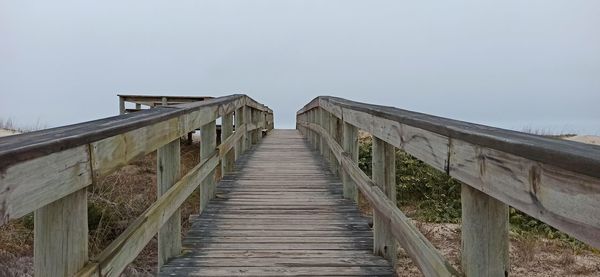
280,213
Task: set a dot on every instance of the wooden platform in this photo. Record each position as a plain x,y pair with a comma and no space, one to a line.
281,213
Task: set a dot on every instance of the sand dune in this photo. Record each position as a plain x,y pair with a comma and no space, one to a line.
586,139
6,132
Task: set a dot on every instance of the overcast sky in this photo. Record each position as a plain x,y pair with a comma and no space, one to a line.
510,64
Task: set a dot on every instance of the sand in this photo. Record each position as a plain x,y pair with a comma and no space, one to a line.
586,139
6,132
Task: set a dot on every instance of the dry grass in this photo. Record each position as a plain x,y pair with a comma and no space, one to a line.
529,256
113,204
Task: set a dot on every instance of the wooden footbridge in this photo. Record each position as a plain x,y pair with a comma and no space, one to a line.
284,204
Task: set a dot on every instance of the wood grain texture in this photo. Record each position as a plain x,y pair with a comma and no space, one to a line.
484,234
565,200
421,251
227,131
553,180
350,146
168,172
125,248
208,144
61,236
568,155
279,213
384,176
240,131
33,184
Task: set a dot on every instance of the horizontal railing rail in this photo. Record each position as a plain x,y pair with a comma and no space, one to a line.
552,180
48,171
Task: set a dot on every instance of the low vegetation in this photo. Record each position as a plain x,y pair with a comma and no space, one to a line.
432,199
113,204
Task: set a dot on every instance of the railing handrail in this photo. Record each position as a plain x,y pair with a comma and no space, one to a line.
552,180
569,155
18,148
48,172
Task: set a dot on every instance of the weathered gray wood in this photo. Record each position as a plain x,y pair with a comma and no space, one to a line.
124,249
168,172
249,127
33,184
226,131
239,120
208,144
350,146
283,210
484,233
335,130
421,251
552,180
384,176
61,236
121,105
324,122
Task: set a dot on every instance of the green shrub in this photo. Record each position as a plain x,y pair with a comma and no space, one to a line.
435,196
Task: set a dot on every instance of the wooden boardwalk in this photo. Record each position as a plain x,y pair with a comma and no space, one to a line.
280,213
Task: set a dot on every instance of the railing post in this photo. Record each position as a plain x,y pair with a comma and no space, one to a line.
226,131
325,124
239,121
248,134
61,236
350,145
484,234
334,132
168,173
311,133
121,105
208,144
316,137
384,176
320,120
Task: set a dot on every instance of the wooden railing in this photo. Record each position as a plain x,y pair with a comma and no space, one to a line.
555,181
47,172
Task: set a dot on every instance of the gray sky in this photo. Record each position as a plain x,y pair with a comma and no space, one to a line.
511,64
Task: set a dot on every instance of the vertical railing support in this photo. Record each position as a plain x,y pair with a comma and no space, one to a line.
168,172
248,119
319,119
334,132
350,144
226,131
384,176
208,144
311,133
324,122
61,236
121,105
239,121
484,234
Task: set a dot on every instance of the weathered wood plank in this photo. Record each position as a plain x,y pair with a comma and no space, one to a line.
384,176
226,132
484,234
568,201
168,172
350,144
61,236
279,204
130,243
278,271
240,131
33,184
208,140
422,252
